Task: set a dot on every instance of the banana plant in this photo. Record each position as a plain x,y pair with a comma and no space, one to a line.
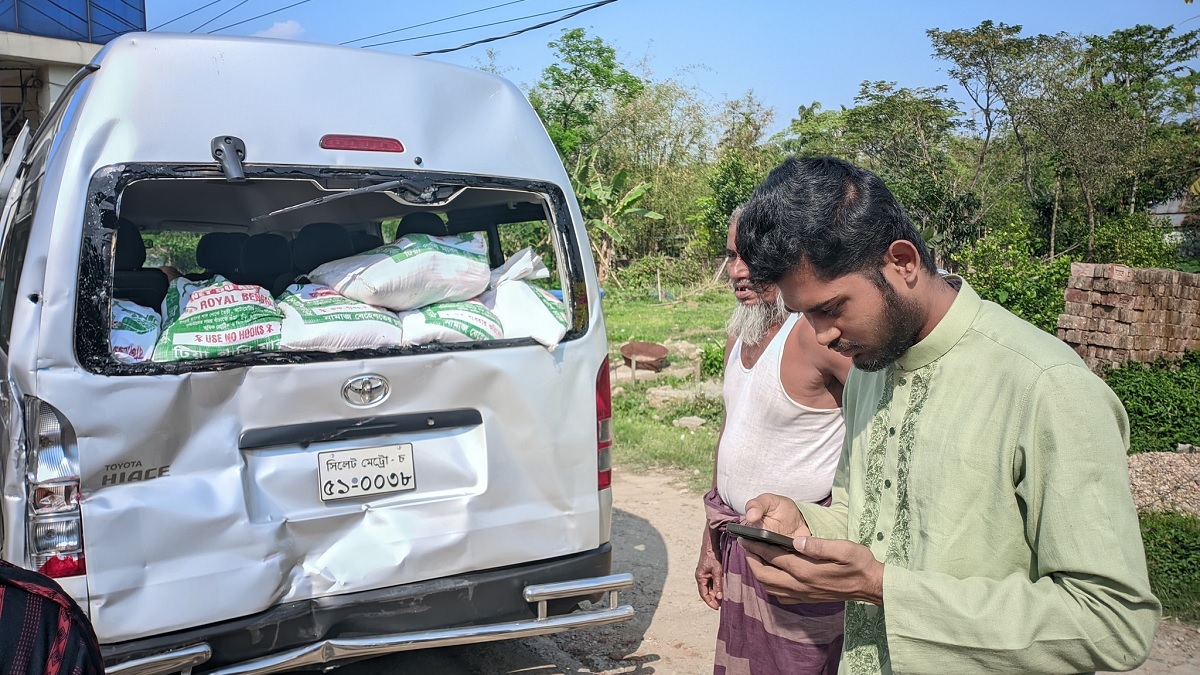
604,204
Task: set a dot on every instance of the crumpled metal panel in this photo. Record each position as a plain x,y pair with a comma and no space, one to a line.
183,528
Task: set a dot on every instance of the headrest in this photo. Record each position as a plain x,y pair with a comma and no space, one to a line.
264,258
319,243
130,253
365,241
421,222
220,252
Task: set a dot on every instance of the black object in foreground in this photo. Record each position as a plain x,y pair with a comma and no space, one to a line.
759,534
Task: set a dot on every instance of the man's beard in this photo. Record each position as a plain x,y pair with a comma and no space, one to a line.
903,319
751,322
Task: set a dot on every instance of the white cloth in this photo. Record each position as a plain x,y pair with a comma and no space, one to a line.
772,443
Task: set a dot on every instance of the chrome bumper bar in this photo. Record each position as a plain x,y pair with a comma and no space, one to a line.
180,660
341,649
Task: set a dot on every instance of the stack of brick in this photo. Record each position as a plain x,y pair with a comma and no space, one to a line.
1115,314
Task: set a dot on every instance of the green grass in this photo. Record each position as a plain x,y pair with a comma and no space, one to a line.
1172,543
695,318
644,437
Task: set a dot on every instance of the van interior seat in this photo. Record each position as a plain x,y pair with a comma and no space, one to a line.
144,286
365,241
315,245
265,257
319,243
220,253
422,222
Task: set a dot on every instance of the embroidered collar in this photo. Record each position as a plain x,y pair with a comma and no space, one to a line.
946,333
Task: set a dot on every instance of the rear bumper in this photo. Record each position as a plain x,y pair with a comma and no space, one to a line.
512,602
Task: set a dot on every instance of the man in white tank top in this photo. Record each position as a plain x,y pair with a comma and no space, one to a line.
782,434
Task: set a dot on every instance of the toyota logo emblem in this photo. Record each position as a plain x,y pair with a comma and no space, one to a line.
365,390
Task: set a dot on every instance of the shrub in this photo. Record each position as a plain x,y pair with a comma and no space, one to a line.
1172,542
642,276
177,249
1001,267
712,410
712,359
1134,240
1162,402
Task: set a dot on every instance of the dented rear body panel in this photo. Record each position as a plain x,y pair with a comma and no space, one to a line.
209,501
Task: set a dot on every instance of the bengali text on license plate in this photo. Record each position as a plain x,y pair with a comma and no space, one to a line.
366,472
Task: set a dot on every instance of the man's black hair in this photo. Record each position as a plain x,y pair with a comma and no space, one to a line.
826,212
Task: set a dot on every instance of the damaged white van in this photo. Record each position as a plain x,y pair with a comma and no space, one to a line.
230,504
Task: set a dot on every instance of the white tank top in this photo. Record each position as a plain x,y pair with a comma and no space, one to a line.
771,443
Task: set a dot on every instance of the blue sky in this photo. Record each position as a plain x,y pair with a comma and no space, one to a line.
787,52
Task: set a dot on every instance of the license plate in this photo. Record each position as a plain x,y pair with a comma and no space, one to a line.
366,472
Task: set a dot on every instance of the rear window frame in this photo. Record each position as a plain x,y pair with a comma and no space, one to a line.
93,345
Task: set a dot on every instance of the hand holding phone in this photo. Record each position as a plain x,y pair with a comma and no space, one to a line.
759,534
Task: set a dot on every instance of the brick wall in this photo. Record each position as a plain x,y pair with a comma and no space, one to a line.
1116,314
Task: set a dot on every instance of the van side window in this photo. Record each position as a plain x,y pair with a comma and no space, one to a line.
12,259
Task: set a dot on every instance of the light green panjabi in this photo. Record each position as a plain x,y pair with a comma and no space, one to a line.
987,469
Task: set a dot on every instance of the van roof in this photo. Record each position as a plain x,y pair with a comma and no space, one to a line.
164,97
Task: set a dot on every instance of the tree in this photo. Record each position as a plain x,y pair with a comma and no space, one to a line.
744,123
815,132
1095,138
905,135
982,58
663,136
574,90
730,184
742,162
1146,69
604,203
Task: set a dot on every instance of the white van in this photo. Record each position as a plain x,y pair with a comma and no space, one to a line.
184,502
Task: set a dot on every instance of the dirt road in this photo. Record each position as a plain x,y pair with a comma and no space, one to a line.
656,533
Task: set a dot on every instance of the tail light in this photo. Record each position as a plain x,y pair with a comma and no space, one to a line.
54,539
604,426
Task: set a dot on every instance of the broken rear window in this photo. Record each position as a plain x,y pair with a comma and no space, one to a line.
185,271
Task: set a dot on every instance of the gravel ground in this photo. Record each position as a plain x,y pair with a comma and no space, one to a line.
1166,481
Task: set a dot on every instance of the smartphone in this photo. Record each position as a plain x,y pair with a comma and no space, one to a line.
759,534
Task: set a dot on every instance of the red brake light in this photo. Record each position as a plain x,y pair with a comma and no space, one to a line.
365,143
604,426
64,566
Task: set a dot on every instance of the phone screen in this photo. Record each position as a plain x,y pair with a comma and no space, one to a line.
759,534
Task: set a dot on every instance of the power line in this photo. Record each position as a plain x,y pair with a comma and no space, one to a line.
274,11
218,16
518,32
483,25
184,16
503,4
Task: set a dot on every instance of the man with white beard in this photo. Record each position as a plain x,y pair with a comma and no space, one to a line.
782,434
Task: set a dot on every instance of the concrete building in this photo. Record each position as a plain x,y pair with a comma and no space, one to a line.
44,42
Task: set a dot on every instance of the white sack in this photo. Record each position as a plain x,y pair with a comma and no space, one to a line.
414,271
215,318
451,322
135,330
523,309
316,317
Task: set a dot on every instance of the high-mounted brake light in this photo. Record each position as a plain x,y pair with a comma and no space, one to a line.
54,539
604,426
364,143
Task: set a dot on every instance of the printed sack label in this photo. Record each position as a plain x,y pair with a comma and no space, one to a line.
415,271
134,331
318,318
215,318
466,321
523,309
